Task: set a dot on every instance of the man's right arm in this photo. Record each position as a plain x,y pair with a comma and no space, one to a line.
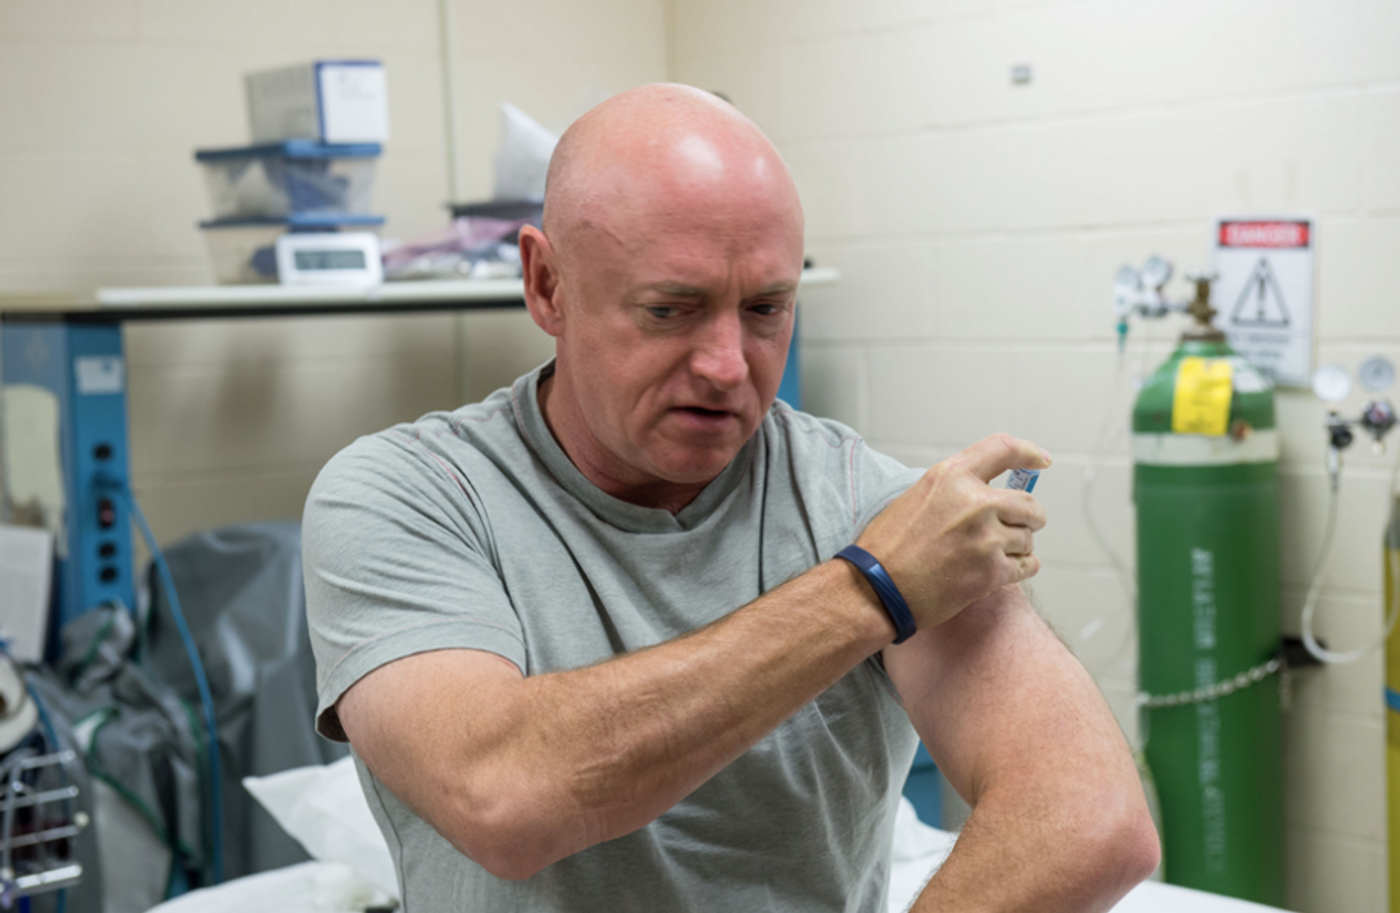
520,772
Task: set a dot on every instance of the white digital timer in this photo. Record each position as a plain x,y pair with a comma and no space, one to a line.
329,258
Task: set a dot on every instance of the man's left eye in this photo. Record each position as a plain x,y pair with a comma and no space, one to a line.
766,310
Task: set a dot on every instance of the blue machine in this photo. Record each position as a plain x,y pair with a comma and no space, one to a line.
82,365
924,788
790,387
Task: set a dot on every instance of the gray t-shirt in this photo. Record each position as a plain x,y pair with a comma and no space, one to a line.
473,529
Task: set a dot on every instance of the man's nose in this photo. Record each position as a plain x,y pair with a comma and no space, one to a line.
719,356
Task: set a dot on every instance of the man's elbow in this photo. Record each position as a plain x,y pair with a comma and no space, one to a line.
506,840
1125,851
1139,850
506,861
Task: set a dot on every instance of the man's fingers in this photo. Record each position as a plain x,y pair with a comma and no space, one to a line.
991,456
1027,566
1016,508
1019,541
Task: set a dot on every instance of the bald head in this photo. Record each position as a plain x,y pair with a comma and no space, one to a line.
667,273
660,153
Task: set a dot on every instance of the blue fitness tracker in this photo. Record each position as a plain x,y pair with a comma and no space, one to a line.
889,594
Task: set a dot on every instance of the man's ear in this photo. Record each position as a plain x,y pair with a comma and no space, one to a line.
539,266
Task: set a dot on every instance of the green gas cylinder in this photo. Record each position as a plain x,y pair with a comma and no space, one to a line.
1205,480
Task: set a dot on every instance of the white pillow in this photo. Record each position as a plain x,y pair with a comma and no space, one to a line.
325,810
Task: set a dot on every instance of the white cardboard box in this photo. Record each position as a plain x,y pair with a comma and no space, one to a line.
26,575
331,101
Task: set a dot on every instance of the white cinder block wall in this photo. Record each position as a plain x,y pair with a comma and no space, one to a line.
978,225
102,103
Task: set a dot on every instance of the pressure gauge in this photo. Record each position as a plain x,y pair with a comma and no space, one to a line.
1376,374
1331,383
329,258
1156,273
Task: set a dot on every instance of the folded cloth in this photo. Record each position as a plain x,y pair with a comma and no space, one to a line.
308,887
324,808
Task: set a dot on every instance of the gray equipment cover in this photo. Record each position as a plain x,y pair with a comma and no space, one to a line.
242,595
136,736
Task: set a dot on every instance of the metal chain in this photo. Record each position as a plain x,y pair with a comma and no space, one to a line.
1212,692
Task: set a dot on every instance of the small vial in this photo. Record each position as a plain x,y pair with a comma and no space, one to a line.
1022,480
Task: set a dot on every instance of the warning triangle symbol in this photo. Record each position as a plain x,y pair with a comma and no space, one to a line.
1261,301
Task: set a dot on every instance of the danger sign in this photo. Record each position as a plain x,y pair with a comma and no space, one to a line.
1263,295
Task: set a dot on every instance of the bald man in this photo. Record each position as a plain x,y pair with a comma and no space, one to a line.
587,637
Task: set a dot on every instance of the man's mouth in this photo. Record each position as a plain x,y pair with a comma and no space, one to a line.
703,418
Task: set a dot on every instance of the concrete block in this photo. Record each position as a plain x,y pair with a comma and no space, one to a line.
202,421
61,203
542,30
68,19
1089,611
1334,774
830,180
1330,874
1355,299
69,96
1022,287
720,26
189,97
1277,154
835,379
206,23
884,293
235,345
953,395
862,86
1362,512
78,274
412,26
751,79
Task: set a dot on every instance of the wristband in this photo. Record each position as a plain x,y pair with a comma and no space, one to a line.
889,594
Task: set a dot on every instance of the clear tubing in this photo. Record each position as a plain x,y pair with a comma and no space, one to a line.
1109,431
1319,652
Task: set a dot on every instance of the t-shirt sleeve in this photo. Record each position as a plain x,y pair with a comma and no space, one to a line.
397,560
879,479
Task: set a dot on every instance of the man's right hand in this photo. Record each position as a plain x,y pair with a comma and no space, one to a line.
952,539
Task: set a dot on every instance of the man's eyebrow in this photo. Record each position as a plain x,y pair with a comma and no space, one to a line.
681,290
777,288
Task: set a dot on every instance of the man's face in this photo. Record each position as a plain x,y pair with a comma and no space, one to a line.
678,330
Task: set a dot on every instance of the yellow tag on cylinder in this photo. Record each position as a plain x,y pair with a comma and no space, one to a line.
1201,402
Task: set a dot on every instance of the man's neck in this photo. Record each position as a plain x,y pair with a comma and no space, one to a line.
566,424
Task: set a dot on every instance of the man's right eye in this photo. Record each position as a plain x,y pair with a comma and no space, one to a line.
661,311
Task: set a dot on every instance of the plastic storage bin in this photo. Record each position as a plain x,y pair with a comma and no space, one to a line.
296,177
243,251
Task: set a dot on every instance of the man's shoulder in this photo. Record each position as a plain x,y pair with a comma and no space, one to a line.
802,431
437,443
823,449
